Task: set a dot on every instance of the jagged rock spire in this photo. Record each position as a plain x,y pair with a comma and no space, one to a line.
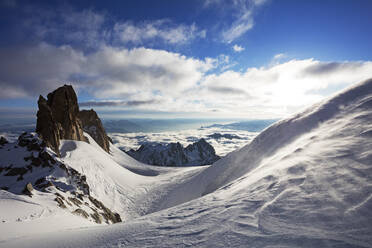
93,125
57,117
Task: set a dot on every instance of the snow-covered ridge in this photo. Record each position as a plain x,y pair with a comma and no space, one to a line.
273,139
28,167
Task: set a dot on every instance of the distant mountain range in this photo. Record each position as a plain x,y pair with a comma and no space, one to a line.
174,154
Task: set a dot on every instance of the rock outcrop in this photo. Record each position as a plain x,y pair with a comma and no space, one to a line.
201,152
59,118
3,141
28,189
93,125
41,171
174,154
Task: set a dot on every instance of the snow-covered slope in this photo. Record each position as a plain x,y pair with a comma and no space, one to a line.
303,182
66,189
40,192
120,182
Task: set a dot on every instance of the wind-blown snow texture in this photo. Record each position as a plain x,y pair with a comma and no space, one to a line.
303,182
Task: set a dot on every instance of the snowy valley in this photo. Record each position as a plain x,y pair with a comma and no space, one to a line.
305,181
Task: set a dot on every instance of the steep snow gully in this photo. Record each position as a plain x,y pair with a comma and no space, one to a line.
305,181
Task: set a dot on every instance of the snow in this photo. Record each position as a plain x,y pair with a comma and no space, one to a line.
122,183
21,216
305,181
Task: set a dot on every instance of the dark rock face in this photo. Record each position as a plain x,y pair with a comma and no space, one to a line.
3,141
46,126
107,213
174,154
202,151
81,212
93,125
57,117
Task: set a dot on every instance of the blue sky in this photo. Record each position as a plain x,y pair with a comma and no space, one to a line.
198,58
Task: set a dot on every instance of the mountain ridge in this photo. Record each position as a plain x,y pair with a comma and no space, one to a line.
174,154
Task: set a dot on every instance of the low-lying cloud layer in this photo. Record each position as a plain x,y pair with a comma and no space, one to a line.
222,145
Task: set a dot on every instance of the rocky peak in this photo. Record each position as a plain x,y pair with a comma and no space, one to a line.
174,154
202,151
93,125
57,117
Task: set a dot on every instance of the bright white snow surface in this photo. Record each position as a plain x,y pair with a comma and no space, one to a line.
303,182
124,185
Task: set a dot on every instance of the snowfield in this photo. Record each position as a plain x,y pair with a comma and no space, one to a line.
305,181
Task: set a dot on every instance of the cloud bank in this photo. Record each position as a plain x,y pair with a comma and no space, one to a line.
159,80
222,146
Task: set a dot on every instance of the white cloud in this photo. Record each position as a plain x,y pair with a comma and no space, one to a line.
279,56
238,48
243,12
158,80
64,24
91,29
140,71
238,28
280,89
137,74
164,30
